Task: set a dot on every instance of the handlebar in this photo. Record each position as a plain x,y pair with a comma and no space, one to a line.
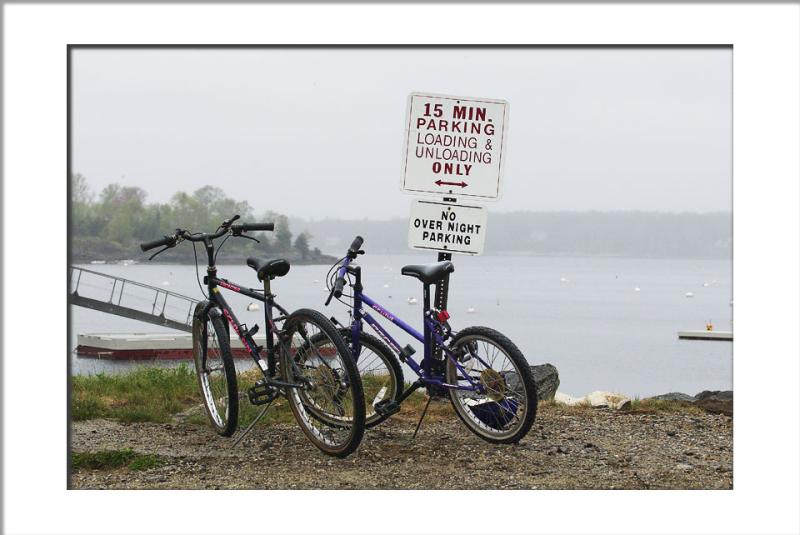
166,240
355,247
227,226
244,227
352,253
338,287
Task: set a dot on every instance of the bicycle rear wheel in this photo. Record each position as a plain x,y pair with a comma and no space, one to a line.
314,354
216,373
505,409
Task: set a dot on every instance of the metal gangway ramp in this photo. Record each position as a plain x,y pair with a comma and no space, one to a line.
130,299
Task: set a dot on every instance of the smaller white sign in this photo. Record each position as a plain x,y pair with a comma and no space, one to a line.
452,228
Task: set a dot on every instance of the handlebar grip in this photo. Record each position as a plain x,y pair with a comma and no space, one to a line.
166,240
255,226
337,288
356,245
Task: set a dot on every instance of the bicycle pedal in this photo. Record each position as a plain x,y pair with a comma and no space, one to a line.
387,407
261,393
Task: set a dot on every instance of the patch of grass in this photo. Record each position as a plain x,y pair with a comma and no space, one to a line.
157,394
650,406
142,395
113,459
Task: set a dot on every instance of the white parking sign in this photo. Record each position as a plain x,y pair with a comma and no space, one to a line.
452,228
454,145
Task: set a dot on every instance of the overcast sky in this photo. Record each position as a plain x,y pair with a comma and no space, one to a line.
319,132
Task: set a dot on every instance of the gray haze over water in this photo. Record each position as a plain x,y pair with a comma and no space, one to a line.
303,132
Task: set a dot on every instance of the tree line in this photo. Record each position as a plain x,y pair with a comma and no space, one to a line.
111,224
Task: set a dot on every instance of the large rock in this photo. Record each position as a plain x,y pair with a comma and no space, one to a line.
595,399
717,395
547,381
546,377
608,399
715,401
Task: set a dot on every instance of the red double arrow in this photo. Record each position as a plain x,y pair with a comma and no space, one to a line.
444,183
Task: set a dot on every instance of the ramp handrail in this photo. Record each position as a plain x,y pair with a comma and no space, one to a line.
112,301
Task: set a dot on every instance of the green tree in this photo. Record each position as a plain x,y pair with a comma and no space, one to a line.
121,209
301,244
83,220
283,236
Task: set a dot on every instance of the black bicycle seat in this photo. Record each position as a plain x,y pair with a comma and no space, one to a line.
429,273
269,268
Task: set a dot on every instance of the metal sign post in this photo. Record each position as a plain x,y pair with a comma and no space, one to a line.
440,298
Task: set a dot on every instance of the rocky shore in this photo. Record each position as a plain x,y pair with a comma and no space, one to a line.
567,448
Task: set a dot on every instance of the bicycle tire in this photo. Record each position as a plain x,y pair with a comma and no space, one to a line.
227,423
471,417
351,428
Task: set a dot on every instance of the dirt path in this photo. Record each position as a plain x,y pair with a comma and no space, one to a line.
566,449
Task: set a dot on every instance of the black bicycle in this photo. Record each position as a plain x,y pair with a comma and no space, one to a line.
307,361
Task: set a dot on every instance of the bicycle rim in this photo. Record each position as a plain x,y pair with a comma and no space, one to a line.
500,410
211,354
330,407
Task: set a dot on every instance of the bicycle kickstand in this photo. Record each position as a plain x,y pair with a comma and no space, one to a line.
424,412
252,425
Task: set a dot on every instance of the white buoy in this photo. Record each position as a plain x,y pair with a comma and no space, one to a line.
689,294
564,279
637,289
316,281
412,301
253,307
385,285
471,310
705,285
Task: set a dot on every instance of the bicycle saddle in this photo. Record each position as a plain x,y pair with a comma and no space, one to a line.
269,268
429,273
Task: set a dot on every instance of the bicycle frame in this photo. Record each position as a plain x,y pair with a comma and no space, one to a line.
429,337
213,283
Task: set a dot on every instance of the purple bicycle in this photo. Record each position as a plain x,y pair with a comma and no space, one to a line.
488,380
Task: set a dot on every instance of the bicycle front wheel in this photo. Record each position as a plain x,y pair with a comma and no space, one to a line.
503,408
216,373
330,405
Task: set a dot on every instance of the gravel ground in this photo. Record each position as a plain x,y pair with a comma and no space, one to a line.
565,449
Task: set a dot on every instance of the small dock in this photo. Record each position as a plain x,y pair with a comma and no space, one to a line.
725,336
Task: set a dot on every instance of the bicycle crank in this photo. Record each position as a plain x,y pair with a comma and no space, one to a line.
262,393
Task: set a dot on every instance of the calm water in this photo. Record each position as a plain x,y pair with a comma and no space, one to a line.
581,314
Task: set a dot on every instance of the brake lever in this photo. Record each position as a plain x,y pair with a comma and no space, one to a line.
330,296
248,237
159,252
